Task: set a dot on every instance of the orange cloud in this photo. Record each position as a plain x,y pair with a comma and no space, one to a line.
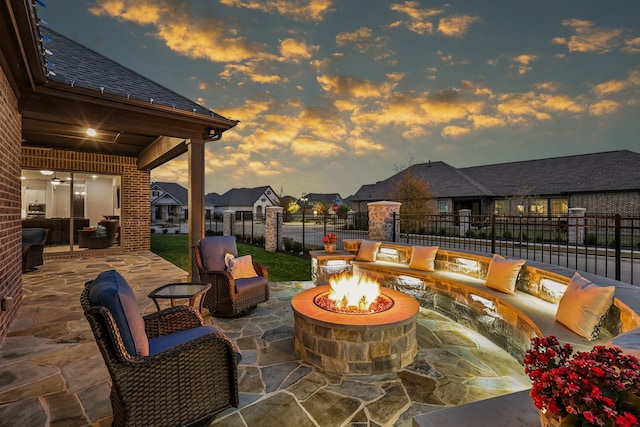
589,38
456,26
348,86
300,10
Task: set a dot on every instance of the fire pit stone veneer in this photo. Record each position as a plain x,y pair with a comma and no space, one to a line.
355,344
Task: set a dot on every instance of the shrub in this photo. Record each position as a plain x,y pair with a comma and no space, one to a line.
591,239
164,231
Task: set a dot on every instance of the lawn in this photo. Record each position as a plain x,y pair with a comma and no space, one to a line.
281,267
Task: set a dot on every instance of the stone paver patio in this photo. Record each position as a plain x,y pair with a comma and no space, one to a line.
51,372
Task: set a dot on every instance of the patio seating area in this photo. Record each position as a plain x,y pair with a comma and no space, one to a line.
51,372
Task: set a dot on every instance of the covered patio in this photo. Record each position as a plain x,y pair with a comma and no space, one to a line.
52,374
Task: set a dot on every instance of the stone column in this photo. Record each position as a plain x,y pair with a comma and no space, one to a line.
228,219
273,223
576,225
465,221
381,220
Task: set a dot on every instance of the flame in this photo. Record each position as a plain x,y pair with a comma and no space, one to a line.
353,291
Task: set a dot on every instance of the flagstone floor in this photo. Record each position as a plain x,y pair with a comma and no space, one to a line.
51,372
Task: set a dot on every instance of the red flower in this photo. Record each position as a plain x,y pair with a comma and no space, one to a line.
599,387
330,238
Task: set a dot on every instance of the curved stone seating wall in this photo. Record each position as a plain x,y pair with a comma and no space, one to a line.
456,289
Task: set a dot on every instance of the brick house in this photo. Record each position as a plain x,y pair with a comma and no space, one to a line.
138,124
602,183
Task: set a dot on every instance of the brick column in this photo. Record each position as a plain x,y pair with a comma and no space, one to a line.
228,219
273,223
381,220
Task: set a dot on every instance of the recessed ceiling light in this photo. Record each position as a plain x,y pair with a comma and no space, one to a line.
91,132
45,172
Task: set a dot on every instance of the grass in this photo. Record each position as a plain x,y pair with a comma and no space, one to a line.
281,267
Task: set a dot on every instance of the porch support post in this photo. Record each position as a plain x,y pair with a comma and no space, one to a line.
196,199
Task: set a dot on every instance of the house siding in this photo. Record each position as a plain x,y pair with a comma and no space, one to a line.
10,224
135,196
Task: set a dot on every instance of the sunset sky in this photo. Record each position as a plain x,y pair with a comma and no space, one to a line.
334,94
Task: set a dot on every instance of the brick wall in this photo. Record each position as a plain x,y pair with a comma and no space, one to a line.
623,203
135,195
10,225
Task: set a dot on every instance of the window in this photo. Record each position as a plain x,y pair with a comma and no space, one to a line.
443,206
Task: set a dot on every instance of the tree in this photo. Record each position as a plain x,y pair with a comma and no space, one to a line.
416,197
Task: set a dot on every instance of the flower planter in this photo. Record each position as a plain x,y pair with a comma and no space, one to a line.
329,248
548,420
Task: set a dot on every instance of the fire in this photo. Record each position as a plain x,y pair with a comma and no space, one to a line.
353,291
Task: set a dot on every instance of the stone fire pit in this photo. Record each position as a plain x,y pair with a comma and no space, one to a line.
355,344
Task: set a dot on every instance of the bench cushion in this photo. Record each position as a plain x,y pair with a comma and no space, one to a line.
165,342
368,250
112,291
423,258
503,274
583,305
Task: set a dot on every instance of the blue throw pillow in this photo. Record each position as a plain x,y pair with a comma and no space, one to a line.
32,235
112,291
213,250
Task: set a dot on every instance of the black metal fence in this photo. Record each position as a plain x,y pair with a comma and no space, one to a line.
606,245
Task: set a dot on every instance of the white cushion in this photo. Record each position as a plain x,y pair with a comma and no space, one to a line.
241,267
368,250
423,258
583,305
503,274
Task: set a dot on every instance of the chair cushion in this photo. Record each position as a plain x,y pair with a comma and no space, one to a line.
112,291
165,342
583,305
629,342
423,258
214,248
503,274
243,285
32,235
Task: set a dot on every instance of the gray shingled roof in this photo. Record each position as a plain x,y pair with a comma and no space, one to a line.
597,172
176,190
242,196
445,181
79,66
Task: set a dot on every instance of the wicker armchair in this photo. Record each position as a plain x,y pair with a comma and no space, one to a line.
189,373
228,296
33,241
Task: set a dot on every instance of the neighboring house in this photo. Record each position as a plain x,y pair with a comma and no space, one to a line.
48,110
169,202
246,202
311,200
602,183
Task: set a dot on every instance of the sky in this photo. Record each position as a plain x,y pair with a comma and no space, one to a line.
335,94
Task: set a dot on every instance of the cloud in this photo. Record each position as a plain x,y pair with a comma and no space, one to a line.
632,46
200,36
306,146
454,131
589,38
348,86
294,50
456,26
299,10
617,85
421,20
524,62
604,107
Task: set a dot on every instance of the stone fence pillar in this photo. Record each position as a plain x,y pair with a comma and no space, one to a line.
576,225
228,219
465,221
381,220
273,223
